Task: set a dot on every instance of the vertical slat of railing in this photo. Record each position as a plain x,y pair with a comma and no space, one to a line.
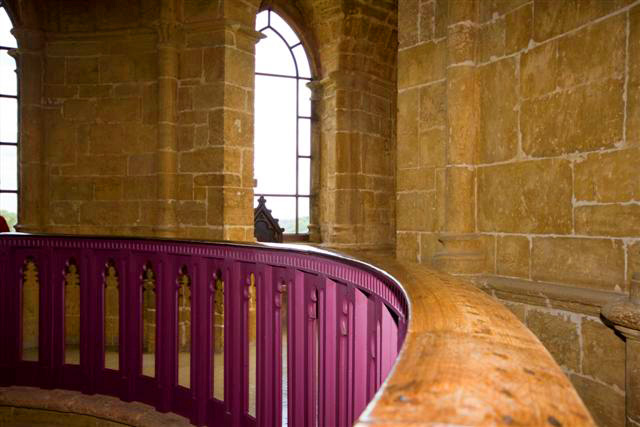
311,340
247,270
234,336
166,317
329,330
296,349
360,338
13,288
266,347
5,336
389,342
58,261
47,379
215,415
343,373
373,335
200,338
133,339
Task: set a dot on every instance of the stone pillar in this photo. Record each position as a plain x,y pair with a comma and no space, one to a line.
317,93
625,316
461,251
33,198
166,152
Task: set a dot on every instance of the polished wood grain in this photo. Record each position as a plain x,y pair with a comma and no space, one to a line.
467,360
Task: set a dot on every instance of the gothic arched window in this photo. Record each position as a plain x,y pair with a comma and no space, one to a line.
282,142
8,123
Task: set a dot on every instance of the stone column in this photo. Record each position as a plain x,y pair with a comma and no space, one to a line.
166,153
33,198
461,250
625,316
317,94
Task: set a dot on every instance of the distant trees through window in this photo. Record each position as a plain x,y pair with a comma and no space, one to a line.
282,143
8,123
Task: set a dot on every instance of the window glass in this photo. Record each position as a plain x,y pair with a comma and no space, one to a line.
282,147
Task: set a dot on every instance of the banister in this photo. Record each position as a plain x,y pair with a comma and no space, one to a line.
465,359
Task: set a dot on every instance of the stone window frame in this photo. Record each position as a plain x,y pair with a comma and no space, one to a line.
311,59
16,144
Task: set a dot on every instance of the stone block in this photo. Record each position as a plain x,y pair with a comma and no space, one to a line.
141,188
116,213
206,97
407,246
518,28
603,353
488,9
492,40
461,43
608,220
116,69
141,164
512,256
79,110
416,211
119,110
408,143
633,265
408,17
608,177
433,106
539,70
228,127
206,160
426,20
463,114
633,114
55,69
96,165
61,141
190,64
498,100
441,20
605,404
146,66
191,213
525,197
416,179
433,147
108,189
107,139
421,64
553,17
125,90
559,334
60,91
82,70
460,207
593,53
593,263
94,91
66,188
586,118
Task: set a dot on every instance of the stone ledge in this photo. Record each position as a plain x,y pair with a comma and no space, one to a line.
98,406
550,295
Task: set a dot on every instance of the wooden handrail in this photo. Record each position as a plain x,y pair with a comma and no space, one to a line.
467,360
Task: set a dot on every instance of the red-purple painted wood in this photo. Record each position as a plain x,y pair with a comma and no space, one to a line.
346,322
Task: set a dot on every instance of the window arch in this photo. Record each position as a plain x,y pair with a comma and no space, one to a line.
8,122
282,142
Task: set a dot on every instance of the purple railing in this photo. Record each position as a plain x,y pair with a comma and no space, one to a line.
200,329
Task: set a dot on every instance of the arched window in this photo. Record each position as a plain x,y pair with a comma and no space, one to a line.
282,143
8,123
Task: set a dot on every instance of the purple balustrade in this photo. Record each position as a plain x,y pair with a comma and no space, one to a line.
147,326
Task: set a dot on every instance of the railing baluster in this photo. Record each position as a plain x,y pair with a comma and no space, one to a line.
389,342
296,349
201,368
167,331
329,330
234,336
361,356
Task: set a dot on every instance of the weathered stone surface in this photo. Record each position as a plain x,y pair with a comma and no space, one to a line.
463,113
407,246
539,70
605,404
421,64
582,119
603,353
608,177
608,220
594,263
519,28
82,70
525,197
633,95
119,110
433,105
512,256
559,334
408,128
492,40
499,125
408,15
416,211
634,259
593,53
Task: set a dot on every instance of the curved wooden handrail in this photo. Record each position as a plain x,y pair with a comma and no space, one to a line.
467,360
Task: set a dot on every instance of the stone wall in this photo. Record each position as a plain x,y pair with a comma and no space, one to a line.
517,145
